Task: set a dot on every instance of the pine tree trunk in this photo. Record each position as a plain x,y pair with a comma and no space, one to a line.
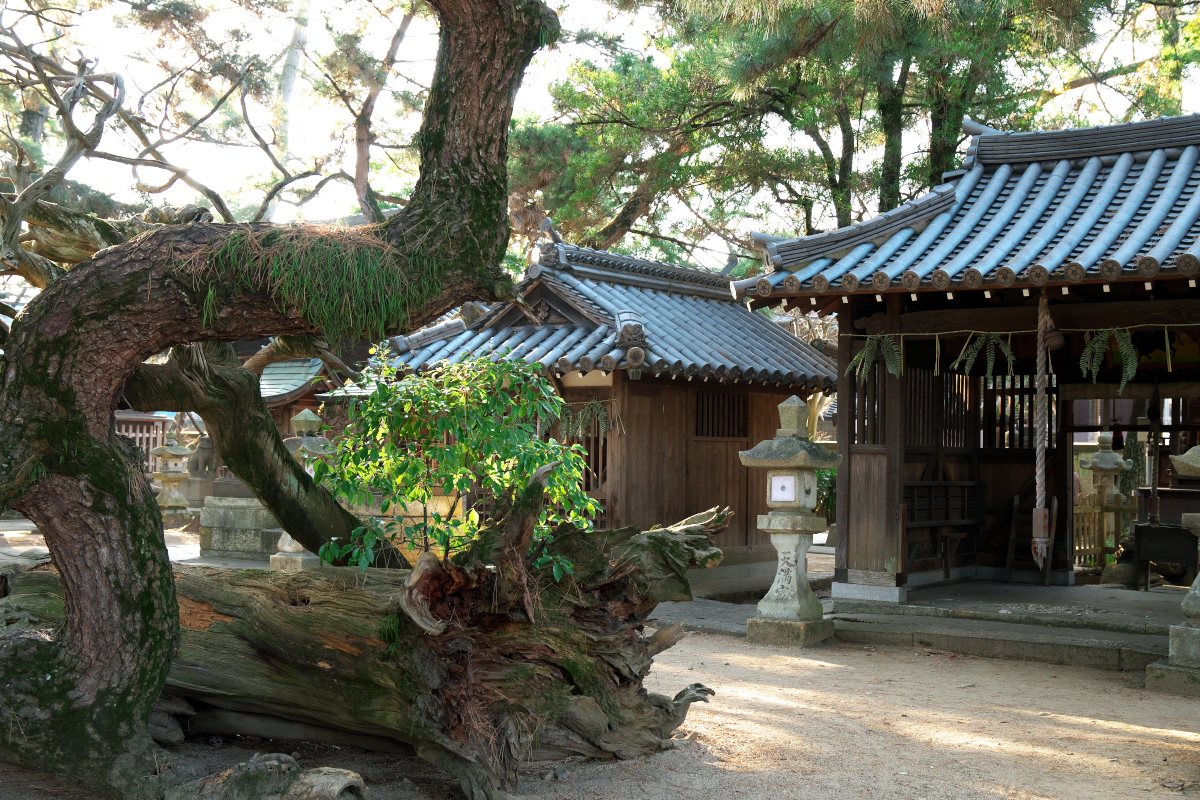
889,93
211,382
76,701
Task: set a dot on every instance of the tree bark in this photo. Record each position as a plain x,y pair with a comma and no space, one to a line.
889,93
363,136
495,687
70,353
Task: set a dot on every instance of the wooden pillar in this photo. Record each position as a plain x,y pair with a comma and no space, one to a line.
1063,556
847,403
615,513
895,427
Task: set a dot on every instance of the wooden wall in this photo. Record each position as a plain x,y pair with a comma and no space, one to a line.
661,471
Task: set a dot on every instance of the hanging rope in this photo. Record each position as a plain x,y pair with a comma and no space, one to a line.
1040,541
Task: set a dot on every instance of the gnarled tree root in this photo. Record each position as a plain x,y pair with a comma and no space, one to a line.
331,648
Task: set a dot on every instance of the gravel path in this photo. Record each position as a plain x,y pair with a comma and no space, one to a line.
835,723
846,721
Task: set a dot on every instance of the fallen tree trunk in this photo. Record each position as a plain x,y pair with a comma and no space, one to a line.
512,676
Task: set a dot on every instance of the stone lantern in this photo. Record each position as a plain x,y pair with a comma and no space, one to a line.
1106,465
173,458
1179,672
306,447
790,613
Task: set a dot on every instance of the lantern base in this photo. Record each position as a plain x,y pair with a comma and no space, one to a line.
797,633
1163,676
294,562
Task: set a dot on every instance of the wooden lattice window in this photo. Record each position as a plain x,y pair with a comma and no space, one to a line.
1008,412
721,416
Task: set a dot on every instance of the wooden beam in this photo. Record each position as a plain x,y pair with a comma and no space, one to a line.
1135,391
1123,314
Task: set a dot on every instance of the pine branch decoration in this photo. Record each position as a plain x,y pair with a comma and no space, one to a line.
576,424
1122,347
1093,354
986,343
1129,357
864,361
893,359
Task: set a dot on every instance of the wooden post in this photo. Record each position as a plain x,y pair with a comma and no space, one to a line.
847,405
1064,481
616,515
895,420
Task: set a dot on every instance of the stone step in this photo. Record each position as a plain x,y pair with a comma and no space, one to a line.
1113,623
1013,641
1110,650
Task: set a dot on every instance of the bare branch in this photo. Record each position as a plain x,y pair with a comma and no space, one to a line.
180,174
265,206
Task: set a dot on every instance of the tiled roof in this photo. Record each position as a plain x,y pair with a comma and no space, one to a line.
285,381
1076,206
584,309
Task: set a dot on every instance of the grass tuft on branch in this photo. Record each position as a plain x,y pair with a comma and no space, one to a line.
349,282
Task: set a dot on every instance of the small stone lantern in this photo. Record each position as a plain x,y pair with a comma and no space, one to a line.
306,447
173,471
790,613
1106,465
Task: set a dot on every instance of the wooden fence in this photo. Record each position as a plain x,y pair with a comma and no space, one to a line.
147,431
1097,527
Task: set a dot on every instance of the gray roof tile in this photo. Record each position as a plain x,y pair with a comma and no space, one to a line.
691,324
286,380
1087,205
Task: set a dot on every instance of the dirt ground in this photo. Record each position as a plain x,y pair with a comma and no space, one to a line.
838,722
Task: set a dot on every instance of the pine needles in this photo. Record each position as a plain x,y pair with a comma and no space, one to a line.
576,424
348,282
1098,345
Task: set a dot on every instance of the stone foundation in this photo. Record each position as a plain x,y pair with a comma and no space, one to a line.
237,527
797,633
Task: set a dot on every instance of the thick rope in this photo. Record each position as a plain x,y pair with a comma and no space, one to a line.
1039,403
1040,422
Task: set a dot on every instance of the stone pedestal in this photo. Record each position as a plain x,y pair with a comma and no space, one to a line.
790,596
292,556
1180,673
197,490
790,613
796,633
237,527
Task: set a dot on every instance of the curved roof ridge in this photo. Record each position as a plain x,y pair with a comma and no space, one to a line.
793,252
566,256
1015,147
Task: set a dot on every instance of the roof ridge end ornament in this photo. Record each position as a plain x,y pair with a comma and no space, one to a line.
547,226
973,128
